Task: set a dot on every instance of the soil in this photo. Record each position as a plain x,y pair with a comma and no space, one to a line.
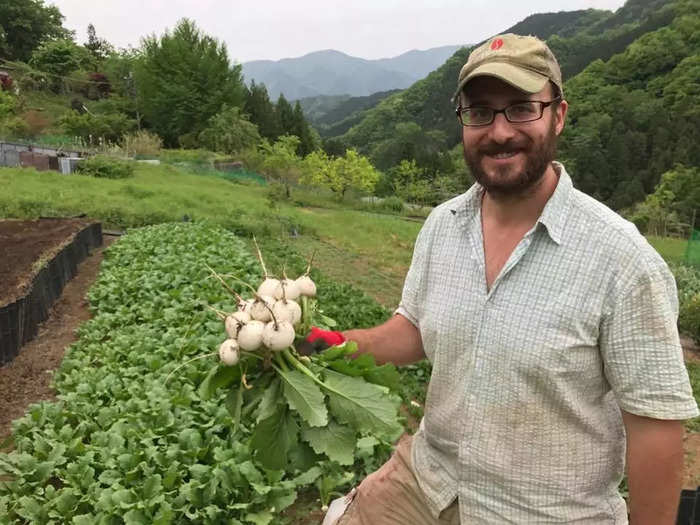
27,378
24,245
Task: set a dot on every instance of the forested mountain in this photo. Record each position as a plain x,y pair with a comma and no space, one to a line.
631,106
333,115
331,72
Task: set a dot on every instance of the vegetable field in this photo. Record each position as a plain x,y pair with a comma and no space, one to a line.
129,441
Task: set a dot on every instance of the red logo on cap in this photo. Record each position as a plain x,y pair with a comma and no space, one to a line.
496,44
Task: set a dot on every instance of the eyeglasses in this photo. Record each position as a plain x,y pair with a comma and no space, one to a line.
528,111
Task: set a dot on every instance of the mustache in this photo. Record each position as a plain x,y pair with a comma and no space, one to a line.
495,149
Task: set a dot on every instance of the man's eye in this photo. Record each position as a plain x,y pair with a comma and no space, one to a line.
480,113
522,109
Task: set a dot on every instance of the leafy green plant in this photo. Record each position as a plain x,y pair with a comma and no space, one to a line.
106,167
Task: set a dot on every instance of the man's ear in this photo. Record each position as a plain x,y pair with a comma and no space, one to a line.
560,114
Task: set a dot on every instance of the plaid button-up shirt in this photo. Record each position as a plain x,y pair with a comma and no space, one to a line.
522,418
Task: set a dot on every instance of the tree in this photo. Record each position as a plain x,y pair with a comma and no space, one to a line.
341,173
282,164
285,115
99,47
24,24
183,79
301,128
262,111
229,132
60,58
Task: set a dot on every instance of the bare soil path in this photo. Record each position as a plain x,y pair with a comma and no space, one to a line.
27,378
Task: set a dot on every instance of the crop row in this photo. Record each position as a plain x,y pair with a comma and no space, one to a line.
128,442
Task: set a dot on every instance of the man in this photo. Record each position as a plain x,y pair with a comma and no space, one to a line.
551,327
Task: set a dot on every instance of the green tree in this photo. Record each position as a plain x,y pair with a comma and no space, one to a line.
98,47
282,164
24,24
61,57
341,173
262,111
229,132
301,128
284,115
183,79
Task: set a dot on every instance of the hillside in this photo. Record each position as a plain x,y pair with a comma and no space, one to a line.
334,115
331,72
599,36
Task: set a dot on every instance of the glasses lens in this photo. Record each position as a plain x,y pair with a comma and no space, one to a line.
477,116
524,112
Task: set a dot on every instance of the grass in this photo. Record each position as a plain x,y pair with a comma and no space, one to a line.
671,249
371,251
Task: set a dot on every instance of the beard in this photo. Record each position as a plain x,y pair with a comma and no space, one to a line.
509,180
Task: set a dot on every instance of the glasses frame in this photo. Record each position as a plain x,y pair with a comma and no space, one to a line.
543,104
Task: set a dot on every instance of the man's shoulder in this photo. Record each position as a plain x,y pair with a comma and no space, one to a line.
605,227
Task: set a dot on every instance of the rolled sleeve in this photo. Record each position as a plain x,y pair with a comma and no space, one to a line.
641,350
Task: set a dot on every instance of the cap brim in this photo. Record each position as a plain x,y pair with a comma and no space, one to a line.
522,79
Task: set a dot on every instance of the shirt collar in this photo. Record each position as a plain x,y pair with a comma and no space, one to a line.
553,216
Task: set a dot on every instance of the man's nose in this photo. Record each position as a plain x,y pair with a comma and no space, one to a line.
501,130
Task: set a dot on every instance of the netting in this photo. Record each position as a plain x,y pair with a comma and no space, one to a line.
692,252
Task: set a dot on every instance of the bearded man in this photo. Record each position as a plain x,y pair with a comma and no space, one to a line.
550,324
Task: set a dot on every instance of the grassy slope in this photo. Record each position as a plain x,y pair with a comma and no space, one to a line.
369,250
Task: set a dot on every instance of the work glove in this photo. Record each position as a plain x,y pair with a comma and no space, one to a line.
318,340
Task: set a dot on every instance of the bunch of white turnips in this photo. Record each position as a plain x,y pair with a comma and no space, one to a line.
268,320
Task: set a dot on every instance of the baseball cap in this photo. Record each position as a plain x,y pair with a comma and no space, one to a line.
525,62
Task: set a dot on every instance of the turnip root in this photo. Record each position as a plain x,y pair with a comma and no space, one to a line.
268,287
260,310
306,286
288,289
250,335
234,322
287,311
228,352
278,335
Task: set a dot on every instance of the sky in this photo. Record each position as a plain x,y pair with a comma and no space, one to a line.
271,30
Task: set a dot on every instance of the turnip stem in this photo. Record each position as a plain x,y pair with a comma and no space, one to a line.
187,362
221,280
311,260
260,257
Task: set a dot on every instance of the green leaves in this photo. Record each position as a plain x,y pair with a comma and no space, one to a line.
304,396
364,406
274,437
335,441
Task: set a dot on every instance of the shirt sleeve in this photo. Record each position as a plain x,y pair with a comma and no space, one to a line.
641,349
409,307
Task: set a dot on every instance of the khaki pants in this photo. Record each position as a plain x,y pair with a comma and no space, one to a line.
391,496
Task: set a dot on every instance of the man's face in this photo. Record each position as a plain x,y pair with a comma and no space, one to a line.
510,158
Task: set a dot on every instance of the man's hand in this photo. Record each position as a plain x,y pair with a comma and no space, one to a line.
319,340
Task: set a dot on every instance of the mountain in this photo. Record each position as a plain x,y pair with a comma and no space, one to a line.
331,72
632,80
333,115
598,34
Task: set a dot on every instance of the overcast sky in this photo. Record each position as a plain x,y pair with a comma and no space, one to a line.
262,29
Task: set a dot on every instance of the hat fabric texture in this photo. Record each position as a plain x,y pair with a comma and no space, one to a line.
524,62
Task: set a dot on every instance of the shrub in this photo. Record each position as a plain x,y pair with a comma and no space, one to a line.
392,203
142,143
688,282
110,126
106,167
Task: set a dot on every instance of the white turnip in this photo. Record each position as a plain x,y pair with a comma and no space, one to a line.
278,335
287,311
250,335
228,352
306,286
260,310
234,322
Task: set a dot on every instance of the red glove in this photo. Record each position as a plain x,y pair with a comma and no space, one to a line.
319,340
